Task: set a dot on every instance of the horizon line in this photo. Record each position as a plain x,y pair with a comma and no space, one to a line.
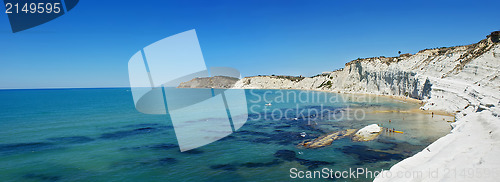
62,88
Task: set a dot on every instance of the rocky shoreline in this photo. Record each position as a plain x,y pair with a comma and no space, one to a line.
463,80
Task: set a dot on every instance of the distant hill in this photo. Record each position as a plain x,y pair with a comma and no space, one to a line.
210,82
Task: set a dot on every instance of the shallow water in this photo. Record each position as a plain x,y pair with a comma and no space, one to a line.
97,135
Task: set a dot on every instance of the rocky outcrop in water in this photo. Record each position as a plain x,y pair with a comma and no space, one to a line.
367,133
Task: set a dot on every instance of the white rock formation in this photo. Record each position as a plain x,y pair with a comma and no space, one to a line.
464,80
367,133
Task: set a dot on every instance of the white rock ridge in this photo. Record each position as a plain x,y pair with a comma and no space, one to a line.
464,80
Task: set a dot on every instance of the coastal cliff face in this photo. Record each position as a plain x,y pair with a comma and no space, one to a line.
463,80
425,75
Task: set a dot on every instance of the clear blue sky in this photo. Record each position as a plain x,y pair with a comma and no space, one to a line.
91,45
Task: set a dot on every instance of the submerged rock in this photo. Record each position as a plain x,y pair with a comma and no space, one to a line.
368,155
227,167
193,151
41,177
127,133
167,161
72,139
286,155
15,148
262,164
311,165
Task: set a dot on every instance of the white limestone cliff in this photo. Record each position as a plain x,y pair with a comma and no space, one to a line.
464,80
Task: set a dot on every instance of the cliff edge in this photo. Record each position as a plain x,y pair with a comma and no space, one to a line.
463,80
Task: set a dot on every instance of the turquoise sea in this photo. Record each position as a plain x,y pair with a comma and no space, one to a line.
97,135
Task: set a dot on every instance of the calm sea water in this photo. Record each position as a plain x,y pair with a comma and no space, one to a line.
97,135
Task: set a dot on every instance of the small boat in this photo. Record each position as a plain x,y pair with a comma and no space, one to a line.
398,132
268,104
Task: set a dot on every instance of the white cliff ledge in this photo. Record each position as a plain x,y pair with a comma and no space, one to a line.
464,80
